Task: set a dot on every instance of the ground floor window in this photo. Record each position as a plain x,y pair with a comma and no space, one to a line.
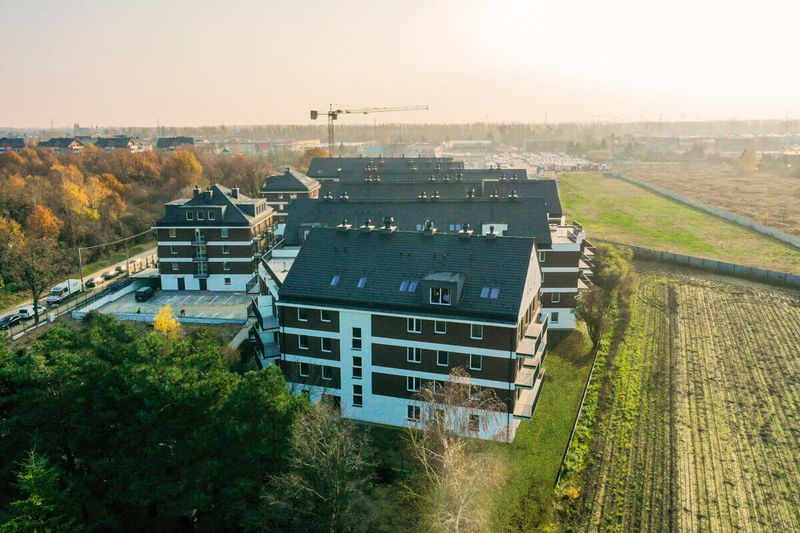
358,395
414,414
305,369
474,423
553,317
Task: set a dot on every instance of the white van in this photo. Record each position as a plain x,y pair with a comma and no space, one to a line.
64,290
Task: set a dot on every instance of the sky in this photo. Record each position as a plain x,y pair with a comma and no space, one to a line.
192,63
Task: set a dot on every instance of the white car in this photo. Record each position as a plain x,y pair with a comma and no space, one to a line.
27,313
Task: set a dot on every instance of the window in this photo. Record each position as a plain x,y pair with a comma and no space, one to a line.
327,373
302,314
475,331
455,227
201,215
485,292
335,280
419,227
440,327
404,285
172,233
327,344
414,413
302,342
475,362
212,215
494,294
490,292
357,364
362,282
226,266
176,266
227,281
440,295
189,215
413,355
358,398
414,325
356,338
412,287
474,422
305,369
555,297
542,257
223,233
554,317
226,249
442,358
324,316
412,384
173,250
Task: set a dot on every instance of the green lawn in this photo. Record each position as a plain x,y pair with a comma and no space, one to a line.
617,210
533,459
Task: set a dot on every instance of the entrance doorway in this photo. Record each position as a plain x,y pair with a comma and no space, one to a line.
203,284
181,284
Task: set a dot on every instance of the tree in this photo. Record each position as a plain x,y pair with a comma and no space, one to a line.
592,309
612,266
37,264
324,488
310,153
11,237
748,161
42,223
149,433
44,504
165,321
181,170
455,479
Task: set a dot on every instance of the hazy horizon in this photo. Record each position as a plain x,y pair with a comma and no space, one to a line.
205,63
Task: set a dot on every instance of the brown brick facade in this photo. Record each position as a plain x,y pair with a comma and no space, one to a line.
288,318
458,333
494,368
291,370
290,343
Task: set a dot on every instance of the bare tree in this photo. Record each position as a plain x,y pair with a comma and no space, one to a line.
455,478
37,264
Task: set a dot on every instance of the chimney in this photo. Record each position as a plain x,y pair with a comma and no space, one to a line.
432,178
327,196
287,170
208,194
344,226
196,192
423,196
235,191
491,234
388,225
344,196
471,193
494,195
466,231
429,230
435,195
513,195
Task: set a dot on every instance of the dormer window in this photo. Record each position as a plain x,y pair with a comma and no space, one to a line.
212,215
200,215
440,295
189,215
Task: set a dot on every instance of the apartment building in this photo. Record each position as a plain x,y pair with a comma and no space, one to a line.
213,240
369,315
562,249
356,168
280,189
117,142
11,144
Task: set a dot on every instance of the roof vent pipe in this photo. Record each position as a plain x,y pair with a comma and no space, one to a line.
429,230
344,226
491,234
368,226
196,191
388,225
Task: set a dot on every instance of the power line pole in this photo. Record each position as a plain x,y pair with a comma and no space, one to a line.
80,266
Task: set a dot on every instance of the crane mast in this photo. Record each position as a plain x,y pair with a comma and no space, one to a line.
333,114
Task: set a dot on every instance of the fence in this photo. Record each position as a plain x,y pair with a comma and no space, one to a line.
712,265
791,240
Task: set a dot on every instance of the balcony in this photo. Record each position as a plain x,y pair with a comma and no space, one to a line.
200,258
525,405
526,377
199,239
532,344
266,322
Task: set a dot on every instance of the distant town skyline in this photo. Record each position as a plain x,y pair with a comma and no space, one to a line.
198,63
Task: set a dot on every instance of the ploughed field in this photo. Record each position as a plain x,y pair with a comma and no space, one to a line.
764,196
616,210
699,422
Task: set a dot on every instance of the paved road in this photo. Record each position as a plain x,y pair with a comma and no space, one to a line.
86,277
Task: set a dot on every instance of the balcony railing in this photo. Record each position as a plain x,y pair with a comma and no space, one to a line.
199,239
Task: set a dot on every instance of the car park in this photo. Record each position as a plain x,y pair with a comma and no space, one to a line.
9,321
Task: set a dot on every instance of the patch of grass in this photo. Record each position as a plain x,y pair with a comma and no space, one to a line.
616,210
115,257
533,459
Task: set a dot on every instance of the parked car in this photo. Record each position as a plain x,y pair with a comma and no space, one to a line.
144,294
27,312
8,321
111,274
121,268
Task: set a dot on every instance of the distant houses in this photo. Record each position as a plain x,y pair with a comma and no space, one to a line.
11,144
168,144
62,145
118,142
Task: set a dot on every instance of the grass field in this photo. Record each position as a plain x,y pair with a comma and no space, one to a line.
616,210
698,427
765,196
533,459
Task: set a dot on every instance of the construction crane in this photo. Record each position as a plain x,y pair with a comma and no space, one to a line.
333,114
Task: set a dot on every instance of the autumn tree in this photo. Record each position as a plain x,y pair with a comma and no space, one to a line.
181,170
11,237
310,153
592,309
37,265
165,321
42,223
454,476
748,161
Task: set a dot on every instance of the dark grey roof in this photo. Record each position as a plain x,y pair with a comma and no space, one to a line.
290,180
333,167
525,217
118,141
14,143
173,142
441,175
59,142
235,211
395,190
387,259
